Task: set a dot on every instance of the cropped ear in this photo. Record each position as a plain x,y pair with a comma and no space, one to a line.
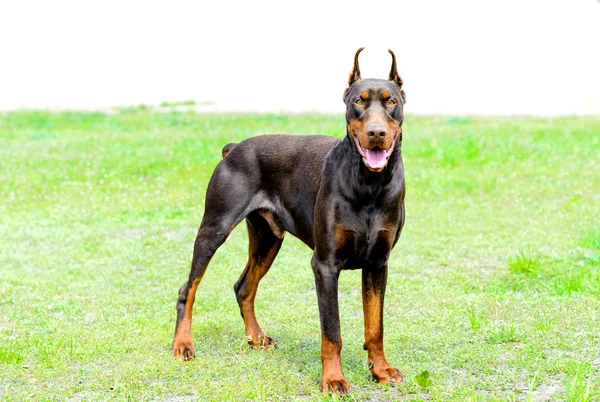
354,74
394,76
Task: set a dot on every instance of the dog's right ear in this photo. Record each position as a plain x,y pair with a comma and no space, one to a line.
355,74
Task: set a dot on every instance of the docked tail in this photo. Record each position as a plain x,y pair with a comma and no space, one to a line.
227,148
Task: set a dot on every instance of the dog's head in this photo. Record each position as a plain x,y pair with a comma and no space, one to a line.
374,114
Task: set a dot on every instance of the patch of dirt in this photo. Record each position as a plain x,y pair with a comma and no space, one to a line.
546,392
136,234
379,393
176,234
77,397
543,392
180,398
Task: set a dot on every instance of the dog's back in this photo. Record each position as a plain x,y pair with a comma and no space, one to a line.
280,173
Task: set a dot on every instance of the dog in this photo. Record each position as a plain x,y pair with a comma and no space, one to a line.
344,198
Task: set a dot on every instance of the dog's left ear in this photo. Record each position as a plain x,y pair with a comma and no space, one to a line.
354,74
394,76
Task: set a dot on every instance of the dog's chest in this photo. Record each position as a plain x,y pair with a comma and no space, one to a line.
363,239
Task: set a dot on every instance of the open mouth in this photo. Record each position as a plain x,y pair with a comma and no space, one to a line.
375,159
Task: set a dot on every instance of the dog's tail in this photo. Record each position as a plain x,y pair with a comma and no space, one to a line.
227,148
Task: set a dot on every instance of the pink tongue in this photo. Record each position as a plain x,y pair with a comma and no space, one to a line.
375,158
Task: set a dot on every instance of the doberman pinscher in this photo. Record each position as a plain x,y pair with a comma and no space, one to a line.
343,198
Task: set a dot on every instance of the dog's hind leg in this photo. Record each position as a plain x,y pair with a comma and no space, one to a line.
227,203
265,239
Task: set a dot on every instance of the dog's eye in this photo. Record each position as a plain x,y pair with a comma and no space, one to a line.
359,102
391,102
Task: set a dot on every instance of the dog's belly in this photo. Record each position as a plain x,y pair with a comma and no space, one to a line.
284,173
298,221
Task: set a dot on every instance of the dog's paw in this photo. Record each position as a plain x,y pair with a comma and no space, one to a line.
183,349
386,375
262,341
337,386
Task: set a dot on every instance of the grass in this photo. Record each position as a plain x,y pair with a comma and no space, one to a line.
524,263
493,294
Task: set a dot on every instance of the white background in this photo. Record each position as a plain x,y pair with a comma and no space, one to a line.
456,57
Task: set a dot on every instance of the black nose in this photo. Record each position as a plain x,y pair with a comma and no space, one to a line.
379,130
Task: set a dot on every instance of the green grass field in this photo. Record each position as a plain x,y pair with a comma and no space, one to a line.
494,287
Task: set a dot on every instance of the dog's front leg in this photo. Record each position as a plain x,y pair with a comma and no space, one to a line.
374,280
326,280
